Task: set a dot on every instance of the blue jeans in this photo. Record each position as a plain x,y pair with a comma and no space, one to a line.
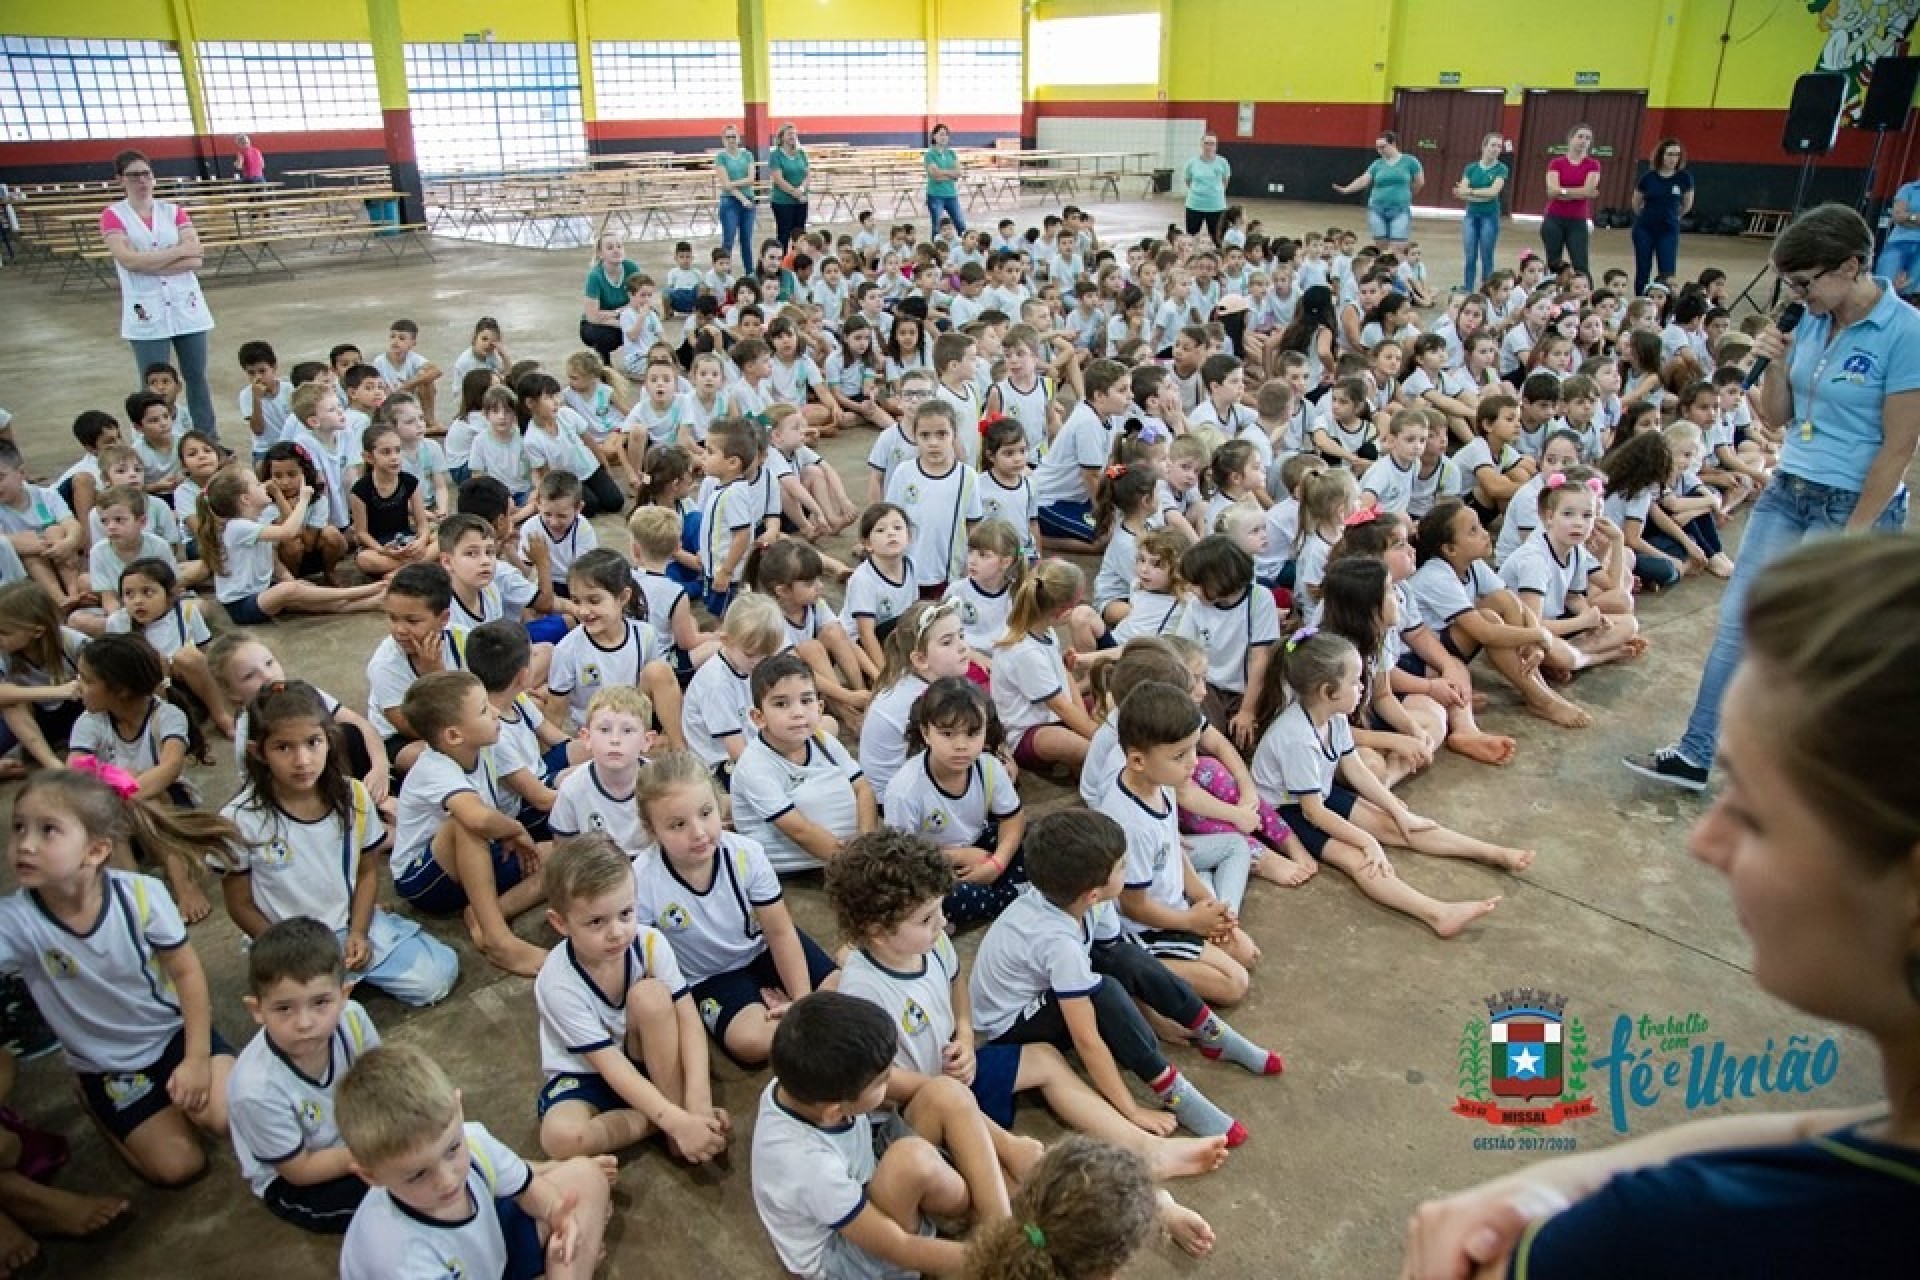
1480,235
949,205
189,352
1653,245
1392,223
1788,511
736,222
1900,257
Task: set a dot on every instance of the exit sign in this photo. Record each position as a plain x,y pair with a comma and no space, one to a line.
1449,78
1586,79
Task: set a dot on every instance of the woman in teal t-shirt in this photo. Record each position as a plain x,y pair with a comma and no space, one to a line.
1480,191
1391,181
943,182
1206,177
733,173
605,294
787,166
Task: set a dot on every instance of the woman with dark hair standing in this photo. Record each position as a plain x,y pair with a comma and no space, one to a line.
1391,181
733,172
163,314
1573,180
1846,386
789,168
943,182
1206,177
1662,197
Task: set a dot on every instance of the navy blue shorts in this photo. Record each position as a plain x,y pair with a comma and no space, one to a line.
246,611
589,1087
526,1255
1339,799
122,1101
1411,663
722,997
996,1068
427,886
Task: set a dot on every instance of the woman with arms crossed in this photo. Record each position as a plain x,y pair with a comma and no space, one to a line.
1818,836
1573,180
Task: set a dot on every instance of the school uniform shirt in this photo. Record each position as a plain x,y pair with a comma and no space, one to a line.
750,401
1113,580
920,1003
300,868
1391,483
1521,519
892,450
275,1111
507,596
331,459
1150,613
792,383
725,510
1018,505
853,378
1535,566
717,701
872,594
1026,674
1478,453
1028,407
1034,950
560,449
1230,632
461,433
96,734
44,508
983,613
715,931
883,734
388,1241
596,409
941,510
660,423
101,989
1295,760
809,1182
578,1018
1085,440
180,626
105,562
422,809
563,550
966,406
1442,595
504,458
395,374
1622,507
1352,439
469,360
1154,863
1445,481
661,596
277,422
767,786
582,666
917,803
390,674
247,561
517,748
583,802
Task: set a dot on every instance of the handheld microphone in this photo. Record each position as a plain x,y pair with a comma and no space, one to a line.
1789,321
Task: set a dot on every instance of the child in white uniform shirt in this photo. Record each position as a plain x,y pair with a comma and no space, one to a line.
598,796
794,788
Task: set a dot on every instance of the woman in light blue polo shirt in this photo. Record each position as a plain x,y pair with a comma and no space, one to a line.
733,174
943,182
1206,177
788,166
1846,387
1392,181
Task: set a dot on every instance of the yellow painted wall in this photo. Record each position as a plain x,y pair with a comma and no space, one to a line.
660,19
979,19
1770,46
1279,50
446,21
251,20
122,19
845,19
1502,42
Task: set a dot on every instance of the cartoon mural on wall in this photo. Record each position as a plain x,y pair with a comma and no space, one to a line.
1859,31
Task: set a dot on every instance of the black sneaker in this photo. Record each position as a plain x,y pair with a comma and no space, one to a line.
1668,766
22,1030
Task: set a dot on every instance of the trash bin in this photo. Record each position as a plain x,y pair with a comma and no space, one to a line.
1162,181
384,212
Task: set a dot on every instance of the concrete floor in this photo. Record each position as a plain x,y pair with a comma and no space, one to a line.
1367,1007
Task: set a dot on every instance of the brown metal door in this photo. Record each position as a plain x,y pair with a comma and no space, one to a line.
1546,117
1442,128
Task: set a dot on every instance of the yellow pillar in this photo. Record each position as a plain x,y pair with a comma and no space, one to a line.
930,33
1666,48
1029,110
187,40
583,54
756,75
396,119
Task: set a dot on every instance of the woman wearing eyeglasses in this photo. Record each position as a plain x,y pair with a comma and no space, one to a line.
1392,181
733,169
1844,387
163,314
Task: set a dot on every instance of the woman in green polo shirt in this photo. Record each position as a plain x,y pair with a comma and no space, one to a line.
606,294
787,166
733,172
943,182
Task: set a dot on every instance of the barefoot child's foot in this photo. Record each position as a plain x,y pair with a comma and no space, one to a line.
1487,748
1509,859
1559,711
1185,1157
1453,917
193,904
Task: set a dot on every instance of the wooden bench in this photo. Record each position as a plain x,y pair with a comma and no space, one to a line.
259,250
1765,224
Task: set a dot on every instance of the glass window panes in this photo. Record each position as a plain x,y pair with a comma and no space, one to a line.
666,79
847,78
59,90
490,108
979,78
255,86
1118,48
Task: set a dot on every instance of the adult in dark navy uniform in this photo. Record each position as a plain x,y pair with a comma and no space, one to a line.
1818,836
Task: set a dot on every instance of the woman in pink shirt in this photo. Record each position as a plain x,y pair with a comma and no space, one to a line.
249,165
1573,180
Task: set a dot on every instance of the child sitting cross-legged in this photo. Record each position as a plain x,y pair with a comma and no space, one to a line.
620,1039
530,750
453,848
152,604
1034,980
448,1198
720,695
280,1091
886,888
794,788
314,841
613,645
844,1188
717,899
597,797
